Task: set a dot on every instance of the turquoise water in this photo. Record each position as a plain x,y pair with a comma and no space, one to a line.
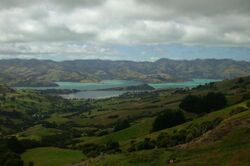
106,84
94,90
188,84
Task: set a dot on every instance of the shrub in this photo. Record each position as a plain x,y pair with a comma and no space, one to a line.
132,146
29,144
112,146
246,96
146,144
214,101
168,119
14,145
120,125
60,140
248,104
101,132
11,148
92,150
198,104
164,140
14,162
192,103
113,116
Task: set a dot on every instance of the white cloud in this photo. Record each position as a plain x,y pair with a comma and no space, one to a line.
194,22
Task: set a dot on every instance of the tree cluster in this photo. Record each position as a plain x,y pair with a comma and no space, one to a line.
10,150
93,150
168,118
202,104
120,125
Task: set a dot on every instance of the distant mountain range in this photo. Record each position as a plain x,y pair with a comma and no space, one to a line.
19,72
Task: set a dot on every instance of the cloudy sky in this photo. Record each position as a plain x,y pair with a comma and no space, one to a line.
125,29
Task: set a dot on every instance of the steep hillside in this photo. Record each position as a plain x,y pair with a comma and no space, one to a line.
20,109
227,144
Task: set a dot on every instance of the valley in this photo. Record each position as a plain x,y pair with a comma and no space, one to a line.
125,83
119,129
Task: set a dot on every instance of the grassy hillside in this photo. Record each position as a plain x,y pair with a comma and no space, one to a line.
21,109
52,156
227,144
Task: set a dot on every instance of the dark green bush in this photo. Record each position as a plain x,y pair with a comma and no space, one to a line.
92,150
146,144
248,104
168,119
8,158
192,103
122,124
14,162
101,132
214,101
112,146
246,96
202,104
164,141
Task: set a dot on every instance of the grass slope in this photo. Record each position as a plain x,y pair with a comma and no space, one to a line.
140,128
227,144
51,156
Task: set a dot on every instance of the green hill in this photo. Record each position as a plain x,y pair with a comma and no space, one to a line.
18,72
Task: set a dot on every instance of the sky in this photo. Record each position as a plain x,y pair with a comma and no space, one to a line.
139,30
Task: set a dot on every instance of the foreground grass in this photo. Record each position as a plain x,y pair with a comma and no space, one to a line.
52,156
140,128
227,144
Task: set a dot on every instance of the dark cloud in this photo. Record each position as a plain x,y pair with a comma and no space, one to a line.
64,4
201,7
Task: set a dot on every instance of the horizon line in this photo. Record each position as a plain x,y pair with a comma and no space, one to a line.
128,60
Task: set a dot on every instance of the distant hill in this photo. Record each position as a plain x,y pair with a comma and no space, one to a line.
5,89
141,87
19,72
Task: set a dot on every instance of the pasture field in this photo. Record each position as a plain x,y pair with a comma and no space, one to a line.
52,156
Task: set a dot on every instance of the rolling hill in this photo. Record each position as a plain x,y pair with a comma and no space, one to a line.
18,72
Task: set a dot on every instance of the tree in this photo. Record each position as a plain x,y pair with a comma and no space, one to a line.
112,146
120,125
146,144
215,101
14,145
164,140
168,119
192,103
199,104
